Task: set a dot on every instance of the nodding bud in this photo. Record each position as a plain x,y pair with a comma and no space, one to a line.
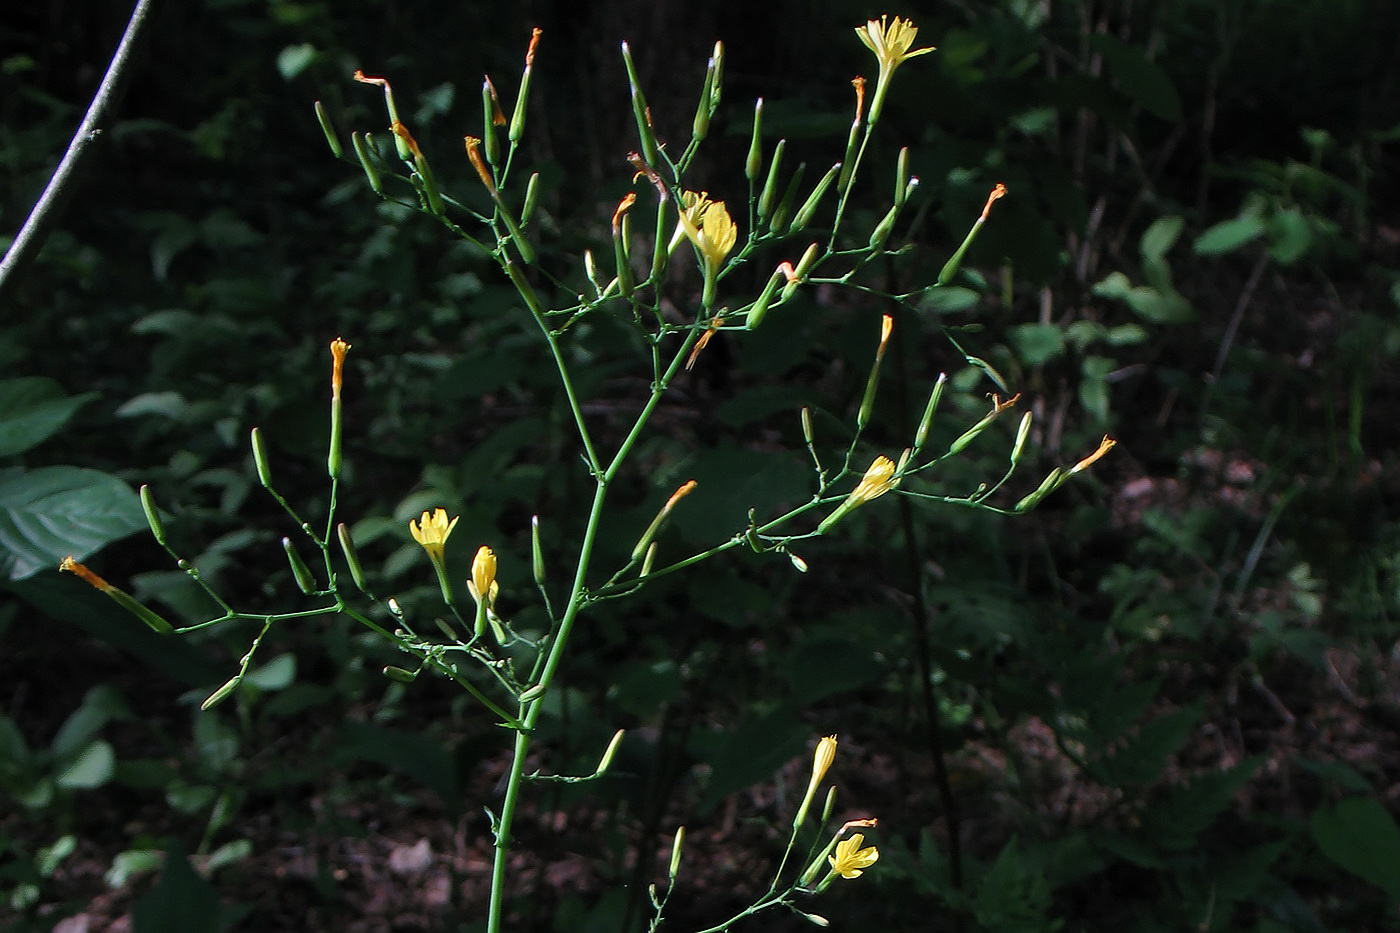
148,504
331,139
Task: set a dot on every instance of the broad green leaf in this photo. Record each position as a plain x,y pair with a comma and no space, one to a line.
50,513
1361,836
821,668
276,674
1228,235
180,901
92,767
127,865
32,410
100,705
1290,236
1037,343
948,299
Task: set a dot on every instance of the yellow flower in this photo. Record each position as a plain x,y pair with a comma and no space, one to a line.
484,574
708,225
850,859
877,481
431,531
890,42
821,762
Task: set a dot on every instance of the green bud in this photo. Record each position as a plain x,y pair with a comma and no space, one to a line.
700,127
770,186
261,461
152,515
934,397
809,207
807,425
532,694
402,675
759,309
143,612
640,112
532,195
1021,433
352,557
848,163
755,160
305,581
331,139
677,845
1047,486
717,56
517,117
536,551
799,274
881,233
371,172
490,144
610,751
901,177
830,803
778,221
218,696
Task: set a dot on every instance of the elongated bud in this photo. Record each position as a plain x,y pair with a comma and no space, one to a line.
830,803
331,139
717,86
367,163
610,752
804,266
352,557
517,117
536,551
402,675
807,425
648,561
950,268
770,185
809,207
921,434
867,403
152,515
532,195
305,582
676,846
797,562
882,230
1047,486
755,160
491,117
783,210
261,461
700,126
901,177
759,309
1021,434
640,112
218,696
998,406
852,139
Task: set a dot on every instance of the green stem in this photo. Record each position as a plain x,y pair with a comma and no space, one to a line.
594,463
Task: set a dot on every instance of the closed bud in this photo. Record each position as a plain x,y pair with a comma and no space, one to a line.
305,582
770,186
261,461
700,127
1047,486
755,160
778,221
536,551
759,309
677,845
331,139
532,195
352,557
152,515
809,207
1021,434
606,761
367,163
218,696
402,675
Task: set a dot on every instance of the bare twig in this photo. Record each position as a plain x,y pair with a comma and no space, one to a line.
50,205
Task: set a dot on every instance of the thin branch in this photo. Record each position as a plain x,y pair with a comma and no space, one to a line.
50,205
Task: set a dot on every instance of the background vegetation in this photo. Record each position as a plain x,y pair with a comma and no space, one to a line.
1165,700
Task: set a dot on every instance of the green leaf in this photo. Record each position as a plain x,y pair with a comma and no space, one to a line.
1290,236
1360,835
100,705
32,410
1228,235
180,901
948,299
92,768
276,674
1144,81
1160,236
1037,343
50,513
821,668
